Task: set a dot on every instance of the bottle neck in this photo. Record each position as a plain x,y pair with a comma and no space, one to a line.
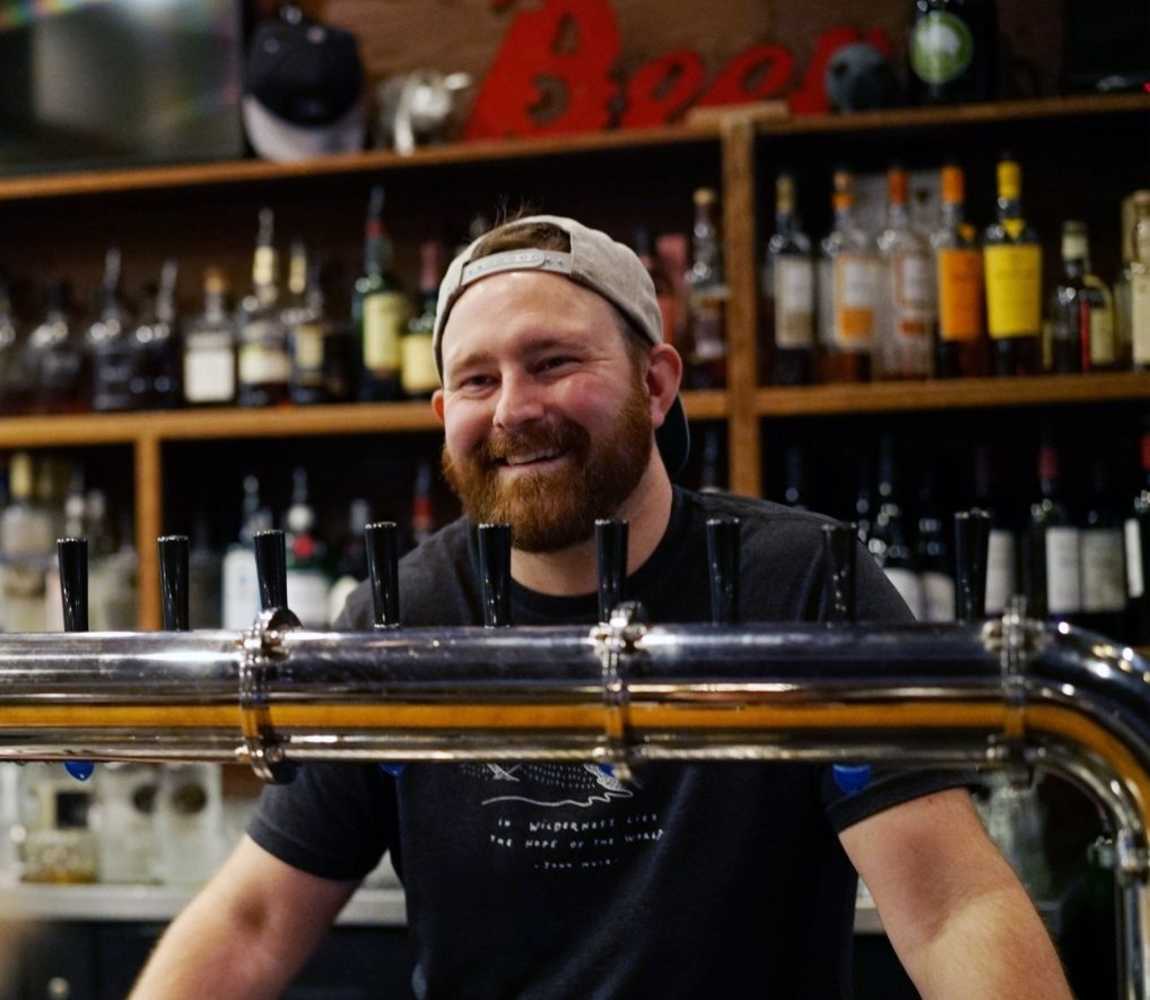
785,224
952,214
898,215
1009,207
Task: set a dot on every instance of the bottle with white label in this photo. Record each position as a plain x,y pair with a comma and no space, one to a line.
307,579
1136,528
241,598
264,354
28,543
932,551
379,311
905,312
889,542
848,291
789,289
1053,558
1002,555
1103,559
210,348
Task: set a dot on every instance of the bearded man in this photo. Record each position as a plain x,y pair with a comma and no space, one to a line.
560,405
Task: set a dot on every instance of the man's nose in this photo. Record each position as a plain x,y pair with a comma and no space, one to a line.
520,401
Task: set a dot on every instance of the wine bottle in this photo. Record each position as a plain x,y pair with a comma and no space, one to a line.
307,580
1053,545
1103,562
889,542
789,288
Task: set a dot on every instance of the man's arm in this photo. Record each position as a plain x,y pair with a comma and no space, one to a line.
958,918
246,934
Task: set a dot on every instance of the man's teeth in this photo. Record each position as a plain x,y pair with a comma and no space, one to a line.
538,456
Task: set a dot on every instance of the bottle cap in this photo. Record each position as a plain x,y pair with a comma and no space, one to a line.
843,194
896,185
1009,179
785,194
704,196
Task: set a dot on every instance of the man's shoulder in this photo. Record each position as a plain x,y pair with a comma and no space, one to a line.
433,575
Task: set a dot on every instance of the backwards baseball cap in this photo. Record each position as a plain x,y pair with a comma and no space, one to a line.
597,262
304,81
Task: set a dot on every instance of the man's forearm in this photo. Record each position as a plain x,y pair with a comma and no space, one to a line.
995,945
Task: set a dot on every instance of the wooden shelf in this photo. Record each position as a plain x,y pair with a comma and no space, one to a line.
973,393
957,114
248,171
85,429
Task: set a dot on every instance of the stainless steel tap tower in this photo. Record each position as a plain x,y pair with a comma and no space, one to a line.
1003,693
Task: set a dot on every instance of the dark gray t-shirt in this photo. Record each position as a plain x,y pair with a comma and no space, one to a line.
555,881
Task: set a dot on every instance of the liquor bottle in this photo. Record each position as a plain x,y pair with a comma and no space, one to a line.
1103,348
1123,320
55,359
419,377
307,328
205,577
1053,557
14,386
156,345
109,343
905,307
1103,562
307,580
422,508
1140,282
28,542
961,343
1002,553
380,311
953,50
126,798
241,586
673,252
1138,520
1013,262
1069,312
114,579
264,357
352,565
789,289
848,278
210,349
664,286
60,845
932,552
889,543
707,300
794,478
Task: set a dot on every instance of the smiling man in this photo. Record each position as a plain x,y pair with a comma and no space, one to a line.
560,405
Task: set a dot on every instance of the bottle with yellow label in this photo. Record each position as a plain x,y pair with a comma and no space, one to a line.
1012,261
379,311
960,346
420,376
848,293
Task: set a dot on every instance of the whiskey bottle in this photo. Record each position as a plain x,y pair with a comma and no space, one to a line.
55,359
307,328
905,308
1053,556
264,359
109,344
156,346
961,343
707,300
419,376
210,349
789,289
380,310
1013,268
1140,282
848,278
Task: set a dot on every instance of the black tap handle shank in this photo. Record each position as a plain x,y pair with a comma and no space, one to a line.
72,554
495,573
723,568
174,598
839,554
611,552
382,543
271,569
971,555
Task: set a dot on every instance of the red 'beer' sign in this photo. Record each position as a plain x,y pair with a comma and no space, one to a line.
553,74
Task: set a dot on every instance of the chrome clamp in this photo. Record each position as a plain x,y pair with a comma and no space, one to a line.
618,639
1015,639
262,649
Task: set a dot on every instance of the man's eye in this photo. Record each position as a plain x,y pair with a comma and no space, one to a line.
475,381
556,362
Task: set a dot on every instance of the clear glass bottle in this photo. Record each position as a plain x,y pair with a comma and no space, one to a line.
1013,268
848,293
307,578
307,328
905,310
109,343
379,311
241,586
58,844
205,577
707,300
419,376
960,348
1140,282
125,821
28,540
114,581
210,348
55,359
264,357
789,291
1003,549
1082,310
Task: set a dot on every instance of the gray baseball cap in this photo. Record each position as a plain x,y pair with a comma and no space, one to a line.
597,262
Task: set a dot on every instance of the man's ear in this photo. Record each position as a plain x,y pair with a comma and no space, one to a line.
437,403
664,375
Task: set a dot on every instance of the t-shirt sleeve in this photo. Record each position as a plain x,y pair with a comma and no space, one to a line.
852,793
